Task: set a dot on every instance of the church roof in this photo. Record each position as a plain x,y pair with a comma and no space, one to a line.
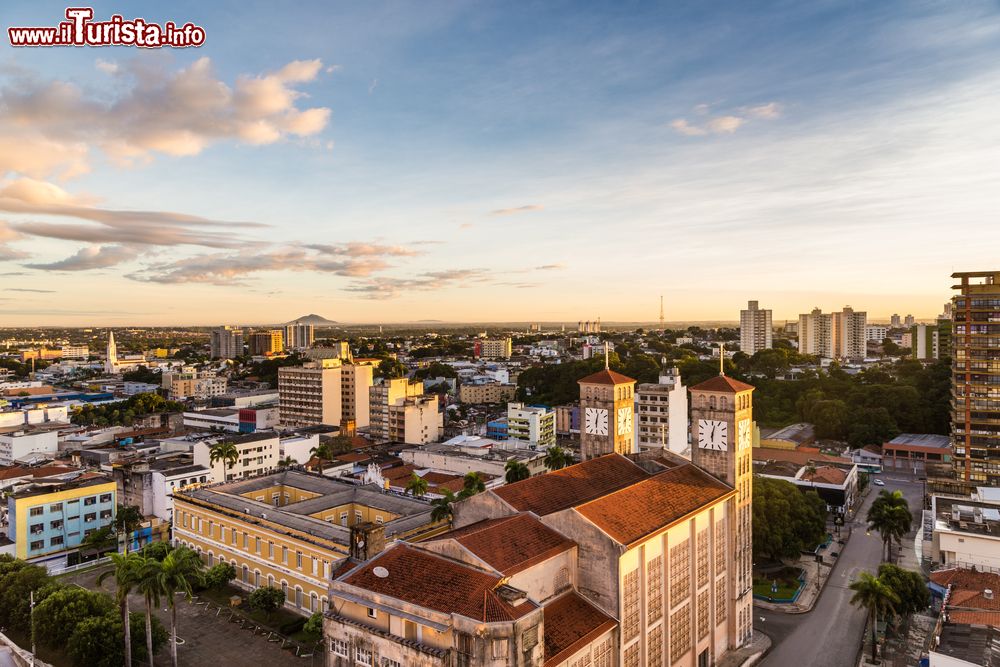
606,376
723,383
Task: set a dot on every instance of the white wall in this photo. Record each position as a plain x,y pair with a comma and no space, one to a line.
298,447
18,445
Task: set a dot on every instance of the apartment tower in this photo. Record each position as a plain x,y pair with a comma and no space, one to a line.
755,329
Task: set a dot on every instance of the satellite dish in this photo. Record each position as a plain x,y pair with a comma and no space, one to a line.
361,544
380,572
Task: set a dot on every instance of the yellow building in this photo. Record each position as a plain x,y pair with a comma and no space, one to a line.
287,529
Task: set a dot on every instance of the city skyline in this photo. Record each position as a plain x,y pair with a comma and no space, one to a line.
486,163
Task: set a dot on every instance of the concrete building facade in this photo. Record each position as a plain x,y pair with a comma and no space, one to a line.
662,413
755,329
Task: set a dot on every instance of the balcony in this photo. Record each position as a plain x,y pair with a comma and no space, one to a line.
376,638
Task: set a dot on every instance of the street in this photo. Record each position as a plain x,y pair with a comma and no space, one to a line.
830,634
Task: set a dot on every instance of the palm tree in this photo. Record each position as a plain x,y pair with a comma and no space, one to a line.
149,586
472,484
441,507
128,518
180,570
874,595
126,574
417,485
322,453
556,458
224,451
516,471
287,461
890,515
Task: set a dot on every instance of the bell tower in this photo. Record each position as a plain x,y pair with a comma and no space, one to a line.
722,444
607,410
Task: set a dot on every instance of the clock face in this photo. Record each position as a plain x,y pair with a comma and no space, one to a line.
596,421
744,438
624,420
713,435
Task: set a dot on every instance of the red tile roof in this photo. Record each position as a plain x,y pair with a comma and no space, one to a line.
722,383
398,473
510,544
975,617
826,475
439,477
570,624
428,580
794,456
606,376
571,486
641,509
967,588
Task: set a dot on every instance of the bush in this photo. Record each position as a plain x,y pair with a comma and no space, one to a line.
267,600
219,575
293,626
97,642
57,618
314,626
157,550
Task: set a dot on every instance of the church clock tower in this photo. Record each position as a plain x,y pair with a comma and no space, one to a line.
722,444
607,410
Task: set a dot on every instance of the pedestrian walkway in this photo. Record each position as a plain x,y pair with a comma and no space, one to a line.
750,654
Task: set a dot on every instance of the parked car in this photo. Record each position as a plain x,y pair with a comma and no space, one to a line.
878,482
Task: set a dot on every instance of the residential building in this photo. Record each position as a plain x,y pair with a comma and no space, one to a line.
74,352
340,349
416,420
472,453
357,380
850,340
150,484
895,322
755,329
816,334
876,332
381,397
258,454
227,342
930,341
840,335
234,420
909,321
607,401
486,392
311,394
49,520
963,531
266,342
492,348
288,529
534,425
662,413
976,377
23,442
912,451
299,336
190,383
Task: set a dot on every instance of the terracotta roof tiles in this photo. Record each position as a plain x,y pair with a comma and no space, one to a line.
510,544
606,376
722,383
570,624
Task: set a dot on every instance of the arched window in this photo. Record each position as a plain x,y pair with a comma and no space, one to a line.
711,402
246,574
298,597
256,578
270,581
211,560
313,602
723,403
325,603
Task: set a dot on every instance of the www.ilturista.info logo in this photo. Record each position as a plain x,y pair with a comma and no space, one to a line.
80,30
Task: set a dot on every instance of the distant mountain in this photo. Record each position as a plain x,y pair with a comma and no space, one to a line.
313,319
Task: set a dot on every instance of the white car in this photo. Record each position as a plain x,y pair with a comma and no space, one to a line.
878,482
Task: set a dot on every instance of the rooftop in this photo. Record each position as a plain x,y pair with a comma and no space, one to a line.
722,383
975,644
797,433
510,544
606,376
570,624
931,440
825,475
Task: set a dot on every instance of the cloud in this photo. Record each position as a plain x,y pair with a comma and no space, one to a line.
372,86
550,267
48,127
387,288
107,67
725,124
516,211
91,257
24,289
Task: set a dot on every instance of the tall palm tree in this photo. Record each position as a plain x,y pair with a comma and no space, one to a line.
441,507
150,587
224,451
874,595
180,570
416,485
322,452
287,461
890,515
516,471
472,484
556,458
126,573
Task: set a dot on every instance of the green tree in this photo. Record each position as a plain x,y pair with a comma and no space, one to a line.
516,471
219,575
875,596
441,508
99,540
871,426
785,519
472,484
890,515
266,599
149,585
97,641
286,462
178,573
18,580
157,550
57,616
126,574
556,458
909,587
416,485
314,626
390,368
226,452
128,518
322,453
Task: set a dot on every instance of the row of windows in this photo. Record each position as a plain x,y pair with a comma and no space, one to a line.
38,528
56,508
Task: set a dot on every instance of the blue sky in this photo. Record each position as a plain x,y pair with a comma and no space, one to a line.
500,161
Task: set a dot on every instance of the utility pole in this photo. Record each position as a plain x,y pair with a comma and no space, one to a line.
31,619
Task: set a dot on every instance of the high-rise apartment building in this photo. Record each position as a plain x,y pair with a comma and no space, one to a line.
840,335
493,348
925,342
909,321
391,393
356,381
895,322
755,329
310,395
266,342
227,342
299,336
976,377
876,332
535,425
816,333
662,413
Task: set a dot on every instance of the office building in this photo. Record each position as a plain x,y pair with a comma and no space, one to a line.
976,377
401,412
607,401
383,395
227,342
266,342
257,453
299,336
289,530
311,394
662,413
755,329
74,352
492,348
47,521
356,381
532,425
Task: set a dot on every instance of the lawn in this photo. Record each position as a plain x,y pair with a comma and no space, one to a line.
787,579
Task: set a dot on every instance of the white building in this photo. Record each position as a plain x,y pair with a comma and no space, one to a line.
74,352
311,394
258,453
840,335
299,336
299,447
166,481
533,425
18,443
876,332
755,329
229,419
662,413
964,532
42,414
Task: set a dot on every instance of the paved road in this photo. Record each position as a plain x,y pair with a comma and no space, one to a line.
830,635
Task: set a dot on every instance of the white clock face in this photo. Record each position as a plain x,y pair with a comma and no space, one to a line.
624,421
744,438
596,422
713,434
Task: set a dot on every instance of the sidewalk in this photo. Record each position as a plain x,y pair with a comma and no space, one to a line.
750,654
811,591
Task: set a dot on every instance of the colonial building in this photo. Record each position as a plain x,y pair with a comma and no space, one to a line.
607,401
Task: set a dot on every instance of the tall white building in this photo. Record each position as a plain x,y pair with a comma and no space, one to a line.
850,334
662,413
227,342
310,395
840,335
533,425
299,336
755,329
816,334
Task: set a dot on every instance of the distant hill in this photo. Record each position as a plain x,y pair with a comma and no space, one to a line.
313,319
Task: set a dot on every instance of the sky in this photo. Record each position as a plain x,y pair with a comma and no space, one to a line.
498,161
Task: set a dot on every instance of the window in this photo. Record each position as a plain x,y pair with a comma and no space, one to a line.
339,647
256,543
343,518
388,662
105,514
654,582
298,559
256,578
562,579
721,603
105,497
529,638
298,597
92,516
358,517
654,646
410,630
313,602
56,507
37,545
37,511
270,550
703,614
37,529
680,632
372,613
56,541
246,575
232,536
720,546
284,589
702,562
630,606
602,654
500,648
363,656
284,554
246,545
92,500
680,574
631,656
